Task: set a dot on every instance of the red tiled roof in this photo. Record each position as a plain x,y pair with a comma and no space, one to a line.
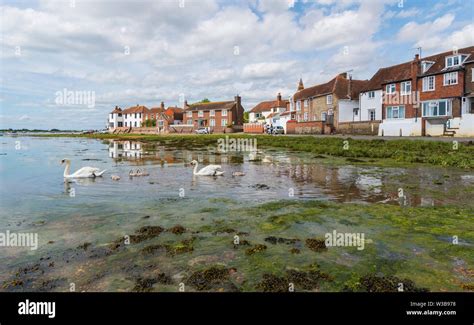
210,106
268,105
402,71
338,86
156,110
116,110
136,109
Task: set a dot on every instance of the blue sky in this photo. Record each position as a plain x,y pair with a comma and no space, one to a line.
145,52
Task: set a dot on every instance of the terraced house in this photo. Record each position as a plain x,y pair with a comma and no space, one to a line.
225,116
428,96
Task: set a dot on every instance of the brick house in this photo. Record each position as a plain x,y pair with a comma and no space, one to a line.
426,96
217,116
328,103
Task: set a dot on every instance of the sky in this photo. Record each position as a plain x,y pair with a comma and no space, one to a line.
105,53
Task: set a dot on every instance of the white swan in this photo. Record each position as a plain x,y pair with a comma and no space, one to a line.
84,172
211,170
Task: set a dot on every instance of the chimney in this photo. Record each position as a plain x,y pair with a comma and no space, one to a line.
415,70
162,105
237,100
185,104
279,100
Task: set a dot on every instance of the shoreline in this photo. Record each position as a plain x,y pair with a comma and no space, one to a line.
377,152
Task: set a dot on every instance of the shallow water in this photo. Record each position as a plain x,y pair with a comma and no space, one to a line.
34,198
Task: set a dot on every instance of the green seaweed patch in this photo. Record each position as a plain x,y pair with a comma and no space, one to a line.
293,280
279,240
255,249
315,244
145,233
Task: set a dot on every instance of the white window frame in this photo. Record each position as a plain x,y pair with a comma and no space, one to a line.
305,116
435,103
329,99
448,80
212,122
390,89
306,103
393,109
371,94
224,112
200,113
212,112
189,114
224,122
298,105
403,88
324,116
426,83
447,65
190,122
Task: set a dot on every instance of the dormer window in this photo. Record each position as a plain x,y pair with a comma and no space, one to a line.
455,60
425,65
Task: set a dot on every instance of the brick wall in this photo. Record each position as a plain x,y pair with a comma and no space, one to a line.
312,127
253,128
360,127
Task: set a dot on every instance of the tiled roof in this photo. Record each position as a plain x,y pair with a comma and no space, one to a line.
338,86
136,109
116,110
402,71
156,110
268,105
210,106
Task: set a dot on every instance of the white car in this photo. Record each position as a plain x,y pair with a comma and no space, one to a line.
202,131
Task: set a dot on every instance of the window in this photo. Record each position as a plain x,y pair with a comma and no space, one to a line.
394,112
390,89
306,103
450,78
454,60
189,114
371,114
371,94
425,65
125,123
329,99
161,123
298,106
212,112
429,83
190,122
135,123
323,116
356,111
305,116
135,115
437,108
224,112
224,122
212,122
406,88
200,113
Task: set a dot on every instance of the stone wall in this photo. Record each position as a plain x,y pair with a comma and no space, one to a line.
359,127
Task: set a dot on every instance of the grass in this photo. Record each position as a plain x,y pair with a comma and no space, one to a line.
376,151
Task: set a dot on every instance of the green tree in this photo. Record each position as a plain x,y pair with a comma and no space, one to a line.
246,117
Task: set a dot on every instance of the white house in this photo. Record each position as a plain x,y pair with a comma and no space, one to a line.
261,112
115,118
134,116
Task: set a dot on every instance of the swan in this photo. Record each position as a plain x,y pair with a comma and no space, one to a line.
84,172
238,174
211,170
115,177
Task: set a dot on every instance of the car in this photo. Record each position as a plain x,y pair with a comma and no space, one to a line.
202,131
278,130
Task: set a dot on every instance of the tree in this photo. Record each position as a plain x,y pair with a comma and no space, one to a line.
205,100
246,117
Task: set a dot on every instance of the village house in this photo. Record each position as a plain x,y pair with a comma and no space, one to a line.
115,118
427,96
269,113
320,108
225,116
133,116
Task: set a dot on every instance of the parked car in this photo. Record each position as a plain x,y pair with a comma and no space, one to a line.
202,131
278,130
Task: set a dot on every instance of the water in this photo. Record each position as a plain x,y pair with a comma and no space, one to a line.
34,197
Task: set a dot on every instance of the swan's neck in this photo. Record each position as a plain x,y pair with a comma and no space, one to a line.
66,170
195,169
